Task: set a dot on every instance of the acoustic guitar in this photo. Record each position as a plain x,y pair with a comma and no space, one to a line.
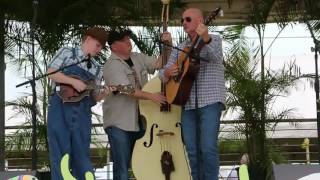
179,87
68,94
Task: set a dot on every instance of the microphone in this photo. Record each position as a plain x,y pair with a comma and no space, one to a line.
89,65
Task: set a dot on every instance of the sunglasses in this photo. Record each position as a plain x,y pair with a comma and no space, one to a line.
188,19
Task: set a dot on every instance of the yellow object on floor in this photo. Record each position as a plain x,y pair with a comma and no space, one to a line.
243,172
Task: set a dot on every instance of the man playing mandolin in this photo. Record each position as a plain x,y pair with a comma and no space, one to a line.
69,123
201,113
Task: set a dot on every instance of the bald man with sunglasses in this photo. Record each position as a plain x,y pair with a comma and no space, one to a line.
200,120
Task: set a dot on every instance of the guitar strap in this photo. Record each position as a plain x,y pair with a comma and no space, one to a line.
130,63
136,79
73,53
137,84
141,118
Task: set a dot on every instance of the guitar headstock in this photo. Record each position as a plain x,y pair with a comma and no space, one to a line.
213,15
166,2
124,89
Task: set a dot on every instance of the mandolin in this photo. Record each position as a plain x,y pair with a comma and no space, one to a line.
68,94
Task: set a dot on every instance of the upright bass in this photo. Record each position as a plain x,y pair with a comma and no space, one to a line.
160,154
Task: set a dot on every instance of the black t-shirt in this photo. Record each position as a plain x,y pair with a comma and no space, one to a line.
129,62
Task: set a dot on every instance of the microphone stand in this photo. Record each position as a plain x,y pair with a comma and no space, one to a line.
316,50
53,72
33,86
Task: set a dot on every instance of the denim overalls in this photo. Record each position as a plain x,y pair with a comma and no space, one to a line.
69,130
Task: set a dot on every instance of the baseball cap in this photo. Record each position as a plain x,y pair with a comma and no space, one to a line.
118,34
97,33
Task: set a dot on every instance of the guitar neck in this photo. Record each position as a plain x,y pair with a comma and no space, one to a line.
95,87
197,45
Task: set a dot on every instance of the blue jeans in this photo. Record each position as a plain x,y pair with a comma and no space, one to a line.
69,131
207,121
122,144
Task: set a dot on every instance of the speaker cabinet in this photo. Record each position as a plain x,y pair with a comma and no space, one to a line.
294,172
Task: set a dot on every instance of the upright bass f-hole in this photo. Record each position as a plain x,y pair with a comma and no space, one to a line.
151,136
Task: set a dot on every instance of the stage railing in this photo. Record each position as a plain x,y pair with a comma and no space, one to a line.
290,147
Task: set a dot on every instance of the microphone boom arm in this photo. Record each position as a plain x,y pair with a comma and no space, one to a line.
53,72
181,50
